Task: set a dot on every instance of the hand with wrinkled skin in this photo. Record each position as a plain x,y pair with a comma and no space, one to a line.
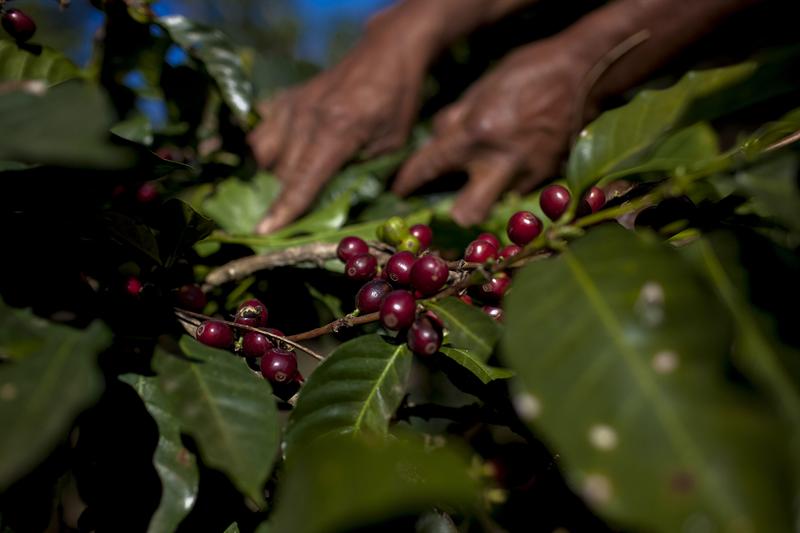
368,101
512,126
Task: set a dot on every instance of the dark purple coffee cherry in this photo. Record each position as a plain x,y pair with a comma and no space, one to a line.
361,267
133,286
18,25
278,365
255,344
147,192
370,296
523,227
252,313
274,331
424,338
216,334
398,310
495,312
494,289
429,274
596,199
350,247
554,201
491,237
398,268
192,297
423,233
508,252
480,251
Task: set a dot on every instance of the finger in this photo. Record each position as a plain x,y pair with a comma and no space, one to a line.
442,154
448,118
303,182
269,136
490,176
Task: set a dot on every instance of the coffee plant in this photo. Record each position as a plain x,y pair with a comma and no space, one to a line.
617,351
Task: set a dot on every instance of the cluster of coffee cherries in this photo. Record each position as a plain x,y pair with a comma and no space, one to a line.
17,24
278,365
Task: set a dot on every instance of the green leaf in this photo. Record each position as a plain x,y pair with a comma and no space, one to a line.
622,349
474,364
176,466
759,352
222,61
237,206
355,390
226,408
331,217
135,129
620,138
233,528
357,482
126,230
683,150
468,327
34,62
180,227
42,392
66,126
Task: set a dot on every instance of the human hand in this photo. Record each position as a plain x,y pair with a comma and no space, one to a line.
367,102
513,126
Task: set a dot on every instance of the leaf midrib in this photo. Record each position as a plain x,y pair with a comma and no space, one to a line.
384,373
713,487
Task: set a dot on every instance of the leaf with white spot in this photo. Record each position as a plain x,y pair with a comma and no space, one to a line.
176,466
355,390
626,362
229,411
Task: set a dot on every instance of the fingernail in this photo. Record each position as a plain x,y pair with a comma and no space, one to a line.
267,225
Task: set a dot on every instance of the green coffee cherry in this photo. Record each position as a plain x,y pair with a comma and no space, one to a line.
380,233
394,231
409,244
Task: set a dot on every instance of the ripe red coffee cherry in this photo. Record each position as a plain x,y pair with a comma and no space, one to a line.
19,25
361,267
398,268
192,297
147,192
466,298
216,334
491,237
595,199
509,251
554,201
494,312
278,365
480,251
423,233
350,247
370,296
429,274
255,344
398,310
133,286
523,227
494,289
424,338
252,313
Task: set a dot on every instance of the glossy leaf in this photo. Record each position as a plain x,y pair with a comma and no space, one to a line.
467,327
355,390
136,129
52,378
222,61
66,126
623,136
229,411
176,466
623,365
474,364
681,151
359,482
34,62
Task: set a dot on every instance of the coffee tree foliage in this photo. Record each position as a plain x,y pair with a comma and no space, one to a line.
645,378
